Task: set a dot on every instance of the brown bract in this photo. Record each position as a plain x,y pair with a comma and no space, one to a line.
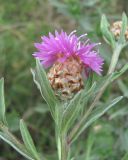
66,77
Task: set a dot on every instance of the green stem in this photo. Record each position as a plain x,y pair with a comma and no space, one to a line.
111,69
115,58
64,147
61,136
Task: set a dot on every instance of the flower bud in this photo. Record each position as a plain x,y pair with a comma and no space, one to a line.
116,30
66,78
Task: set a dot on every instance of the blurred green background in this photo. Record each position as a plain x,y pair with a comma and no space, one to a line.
22,22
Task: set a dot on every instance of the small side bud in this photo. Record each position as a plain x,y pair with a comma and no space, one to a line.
116,30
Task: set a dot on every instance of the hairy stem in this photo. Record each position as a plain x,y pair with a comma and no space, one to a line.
61,136
115,58
64,147
111,69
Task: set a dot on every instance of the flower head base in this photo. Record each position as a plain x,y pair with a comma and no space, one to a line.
65,78
116,30
68,57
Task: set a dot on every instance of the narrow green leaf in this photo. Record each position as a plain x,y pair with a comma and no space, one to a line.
86,94
97,113
2,102
123,28
90,142
20,150
110,78
101,82
41,80
71,111
44,82
75,105
117,74
119,113
88,82
28,140
106,32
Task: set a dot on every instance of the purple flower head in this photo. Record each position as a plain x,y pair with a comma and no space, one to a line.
60,46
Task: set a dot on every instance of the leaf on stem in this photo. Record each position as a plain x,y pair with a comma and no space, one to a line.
71,111
96,113
110,78
123,28
20,149
28,140
74,107
90,142
106,32
41,80
117,74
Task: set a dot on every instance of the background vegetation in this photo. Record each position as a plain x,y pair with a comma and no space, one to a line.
22,22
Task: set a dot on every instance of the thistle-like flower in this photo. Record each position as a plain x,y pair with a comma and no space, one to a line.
68,57
116,30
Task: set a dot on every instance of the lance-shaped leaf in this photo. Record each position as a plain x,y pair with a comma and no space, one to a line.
117,74
2,102
9,138
97,113
28,140
41,80
86,94
71,110
106,32
89,145
101,82
123,28
109,78
76,104
119,113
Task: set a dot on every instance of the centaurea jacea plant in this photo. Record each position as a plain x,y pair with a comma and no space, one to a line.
66,90
68,57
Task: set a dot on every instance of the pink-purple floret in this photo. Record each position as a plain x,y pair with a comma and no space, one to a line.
68,45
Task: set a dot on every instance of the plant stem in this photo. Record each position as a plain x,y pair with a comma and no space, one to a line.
115,58
111,69
64,147
61,136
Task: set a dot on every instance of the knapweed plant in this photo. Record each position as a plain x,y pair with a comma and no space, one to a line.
65,65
